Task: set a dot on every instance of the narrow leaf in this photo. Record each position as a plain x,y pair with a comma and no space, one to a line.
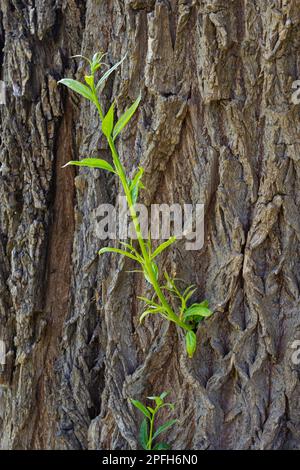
189,294
108,121
164,395
125,118
117,250
164,427
155,270
81,57
134,251
161,446
92,163
169,405
136,184
137,176
134,194
192,286
141,407
108,72
144,434
158,400
163,246
151,302
79,87
197,310
151,409
96,62
153,398
150,312
129,246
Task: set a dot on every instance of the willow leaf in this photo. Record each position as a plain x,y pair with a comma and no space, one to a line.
108,72
108,249
163,246
164,427
141,407
78,87
125,118
92,163
108,121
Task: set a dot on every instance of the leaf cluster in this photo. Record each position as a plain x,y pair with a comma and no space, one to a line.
148,435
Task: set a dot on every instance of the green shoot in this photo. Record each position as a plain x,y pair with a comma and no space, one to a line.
148,434
185,316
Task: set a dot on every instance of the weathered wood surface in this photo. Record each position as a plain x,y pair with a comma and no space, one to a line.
216,126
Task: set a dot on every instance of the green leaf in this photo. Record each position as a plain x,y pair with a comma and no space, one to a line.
164,427
108,72
163,246
148,301
161,446
108,121
134,194
125,118
108,249
137,176
129,245
79,87
191,286
96,62
81,57
151,311
189,292
149,243
92,163
141,407
155,270
134,251
197,310
170,283
169,405
144,434
89,80
159,400
136,184
134,271
191,343
154,398
164,395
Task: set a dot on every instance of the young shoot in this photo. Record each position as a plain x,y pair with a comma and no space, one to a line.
148,434
187,317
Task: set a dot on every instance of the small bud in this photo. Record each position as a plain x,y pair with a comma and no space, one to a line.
89,80
191,343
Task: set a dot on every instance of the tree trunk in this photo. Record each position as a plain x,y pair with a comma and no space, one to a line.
216,126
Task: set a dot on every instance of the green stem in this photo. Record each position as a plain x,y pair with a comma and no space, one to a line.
151,431
148,265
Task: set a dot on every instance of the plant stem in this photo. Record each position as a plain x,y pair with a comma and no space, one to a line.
172,316
151,430
148,265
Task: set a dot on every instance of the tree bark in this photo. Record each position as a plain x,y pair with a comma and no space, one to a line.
216,126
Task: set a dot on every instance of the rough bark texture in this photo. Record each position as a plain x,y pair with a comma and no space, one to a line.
216,126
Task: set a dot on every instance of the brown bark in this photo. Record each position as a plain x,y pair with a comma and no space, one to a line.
216,126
